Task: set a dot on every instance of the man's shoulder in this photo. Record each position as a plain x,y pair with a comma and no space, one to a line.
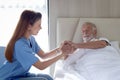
104,38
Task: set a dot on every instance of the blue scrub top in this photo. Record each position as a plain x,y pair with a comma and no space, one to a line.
23,58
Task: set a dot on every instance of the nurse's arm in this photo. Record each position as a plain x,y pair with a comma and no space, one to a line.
42,65
52,53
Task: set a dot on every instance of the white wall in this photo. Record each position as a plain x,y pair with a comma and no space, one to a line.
79,8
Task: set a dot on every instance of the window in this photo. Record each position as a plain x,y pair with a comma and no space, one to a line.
10,11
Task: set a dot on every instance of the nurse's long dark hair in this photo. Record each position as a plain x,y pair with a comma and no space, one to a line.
27,18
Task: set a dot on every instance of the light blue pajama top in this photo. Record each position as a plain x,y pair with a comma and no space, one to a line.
23,58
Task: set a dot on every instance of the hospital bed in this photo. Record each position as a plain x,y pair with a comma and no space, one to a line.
69,29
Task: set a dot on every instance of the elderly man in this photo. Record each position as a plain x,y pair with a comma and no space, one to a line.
93,58
90,40
89,36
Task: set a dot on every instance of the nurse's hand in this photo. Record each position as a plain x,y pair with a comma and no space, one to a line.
66,48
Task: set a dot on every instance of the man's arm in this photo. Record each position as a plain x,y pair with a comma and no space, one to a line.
92,44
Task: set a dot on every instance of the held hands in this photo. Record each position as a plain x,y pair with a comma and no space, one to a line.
67,47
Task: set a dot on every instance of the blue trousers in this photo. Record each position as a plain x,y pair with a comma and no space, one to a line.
31,76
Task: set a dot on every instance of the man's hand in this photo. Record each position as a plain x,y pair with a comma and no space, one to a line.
67,48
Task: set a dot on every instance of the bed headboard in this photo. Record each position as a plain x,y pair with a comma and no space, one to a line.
69,28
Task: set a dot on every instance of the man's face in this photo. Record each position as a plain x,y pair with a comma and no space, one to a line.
87,32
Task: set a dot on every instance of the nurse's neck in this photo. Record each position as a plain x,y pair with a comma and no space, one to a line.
27,35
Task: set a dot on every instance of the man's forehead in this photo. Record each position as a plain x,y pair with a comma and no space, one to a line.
86,26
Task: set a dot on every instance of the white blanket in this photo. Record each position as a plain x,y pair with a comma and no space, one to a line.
93,64
62,74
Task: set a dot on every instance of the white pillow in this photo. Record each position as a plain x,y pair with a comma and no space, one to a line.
115,44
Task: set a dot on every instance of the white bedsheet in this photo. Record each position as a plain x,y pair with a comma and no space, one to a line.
62,74
90,64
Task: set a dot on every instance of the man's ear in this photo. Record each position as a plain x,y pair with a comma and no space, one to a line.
95,33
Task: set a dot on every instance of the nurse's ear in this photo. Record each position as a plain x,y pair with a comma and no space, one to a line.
29,27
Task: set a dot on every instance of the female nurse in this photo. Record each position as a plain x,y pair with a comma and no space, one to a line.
22,47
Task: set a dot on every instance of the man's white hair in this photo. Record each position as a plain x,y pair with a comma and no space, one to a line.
91,24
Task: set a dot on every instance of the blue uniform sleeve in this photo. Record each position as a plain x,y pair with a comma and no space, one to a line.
25,55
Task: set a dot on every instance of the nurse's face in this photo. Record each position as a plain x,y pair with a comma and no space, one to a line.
34,29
